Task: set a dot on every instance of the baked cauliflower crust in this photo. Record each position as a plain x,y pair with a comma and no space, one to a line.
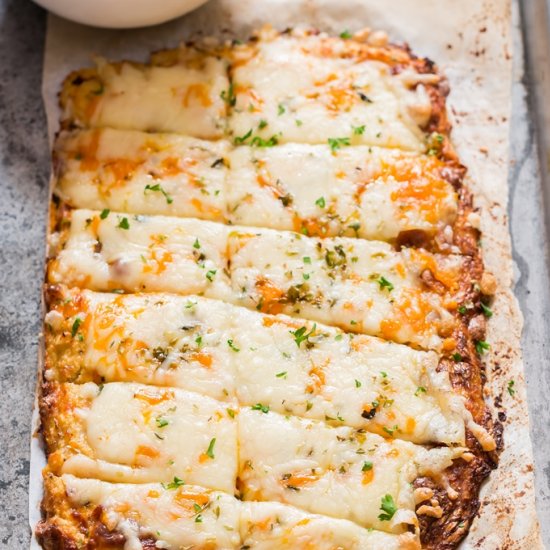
222,94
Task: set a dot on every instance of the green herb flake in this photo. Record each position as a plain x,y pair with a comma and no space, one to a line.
345,35
196,244
210,450
482,346
511,389
280,109
388,507
231,413
384,283
301,335
367,466
229,95
124,223
262,124
233,346
419,390
281,374
76,325
161,422
104,213
210,274
359,130
307,260
174,484
337,143
320,202
260,407
157,187
486,310
457,357
357,383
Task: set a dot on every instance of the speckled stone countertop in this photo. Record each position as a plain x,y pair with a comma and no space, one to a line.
24,170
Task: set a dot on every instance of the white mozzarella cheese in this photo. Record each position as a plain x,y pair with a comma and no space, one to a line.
362,286
182,97
275,526
338,472
302,90
136,433
186,516
142,253
344,379
142,173
358,191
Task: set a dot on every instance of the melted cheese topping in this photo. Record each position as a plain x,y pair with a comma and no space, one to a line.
274,526
362,286
135,433
199,345
357,191
181,97
142,173
183,517
339,472
140,253
308,90
190,516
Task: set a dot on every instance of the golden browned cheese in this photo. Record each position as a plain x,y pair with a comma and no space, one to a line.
447,503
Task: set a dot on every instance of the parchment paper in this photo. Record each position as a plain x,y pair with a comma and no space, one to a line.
471,42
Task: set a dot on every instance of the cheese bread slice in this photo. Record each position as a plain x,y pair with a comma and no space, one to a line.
339,472
141,173
135,433
178,91
312,88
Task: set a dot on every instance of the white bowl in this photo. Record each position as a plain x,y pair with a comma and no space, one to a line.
118,14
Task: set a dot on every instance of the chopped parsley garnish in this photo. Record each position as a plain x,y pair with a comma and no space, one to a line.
462,310
457,357
301,334
257,141
391,430
281,374
384,283
359,130
161,422
196,244
260,407
232,345
306,259
198,340
231,413
357,383
388,507
124,223
280,109
345,34
482,346
210,450
486,310
229,95
367,466
158,187
511,389
320,202
262,124
174,484
337,143
419,390
210,274
239,140
198,519
76,325
104,213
